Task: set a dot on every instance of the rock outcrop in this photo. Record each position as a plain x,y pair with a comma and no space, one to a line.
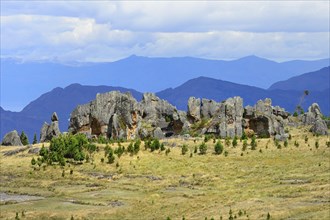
225,117
314,117
118,115
265,120
12,139
49,131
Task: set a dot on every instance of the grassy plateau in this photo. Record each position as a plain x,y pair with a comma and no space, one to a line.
270,182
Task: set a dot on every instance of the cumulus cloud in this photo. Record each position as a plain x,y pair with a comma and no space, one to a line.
106,30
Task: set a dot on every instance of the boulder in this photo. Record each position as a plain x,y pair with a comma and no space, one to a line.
314,117
158,133
12,139
319,127
49,131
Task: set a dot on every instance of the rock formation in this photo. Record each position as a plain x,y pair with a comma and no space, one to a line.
118,115
12,139
314,117
225,118
265,120
49,131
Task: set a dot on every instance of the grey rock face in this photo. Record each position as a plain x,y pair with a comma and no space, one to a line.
118,115
314,117
112,114
227,118
194,109
12,139
158,133
208,108
265,120
49,131
54,117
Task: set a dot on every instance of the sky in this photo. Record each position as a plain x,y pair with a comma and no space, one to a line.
102,31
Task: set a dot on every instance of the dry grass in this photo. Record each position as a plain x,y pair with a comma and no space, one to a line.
289,183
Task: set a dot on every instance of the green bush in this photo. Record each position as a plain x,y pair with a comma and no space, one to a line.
218,148
184,149
202,148
253,143
245,144
234,142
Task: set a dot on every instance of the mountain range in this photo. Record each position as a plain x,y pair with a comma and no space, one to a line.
287,94
141,73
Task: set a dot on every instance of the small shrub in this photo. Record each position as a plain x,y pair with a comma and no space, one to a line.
286,143
63,173
218,148
162,147
296,144
317,144
306,139
234,142
167,151
290,137
245,144
102,160
202,148
195,150
328,143
227,141
111,157
184,149
33,161
226,153
253,143
268,216
71,171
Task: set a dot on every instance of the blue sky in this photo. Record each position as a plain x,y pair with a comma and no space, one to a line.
95,31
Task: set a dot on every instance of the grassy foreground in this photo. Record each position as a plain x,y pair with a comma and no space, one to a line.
288,183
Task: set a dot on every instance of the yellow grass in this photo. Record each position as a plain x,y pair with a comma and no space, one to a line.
287,183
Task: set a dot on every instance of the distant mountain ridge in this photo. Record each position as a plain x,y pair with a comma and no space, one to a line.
315,81
218,90
143,74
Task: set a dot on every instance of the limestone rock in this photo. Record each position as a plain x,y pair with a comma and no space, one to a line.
49,131
265,120
194,109
12,139
314,117
158,133
54,117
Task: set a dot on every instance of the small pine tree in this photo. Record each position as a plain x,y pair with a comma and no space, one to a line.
227,142
184,149
253,143
286,143
202,148
35,141
218,148
245,144
306,139
195,150
24,138
234,143
317,144
111,157
33,161
268,216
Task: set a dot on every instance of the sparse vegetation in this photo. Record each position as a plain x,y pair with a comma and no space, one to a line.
202,148
218,148
130,185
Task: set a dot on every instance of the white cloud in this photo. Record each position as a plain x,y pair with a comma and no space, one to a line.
106,30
